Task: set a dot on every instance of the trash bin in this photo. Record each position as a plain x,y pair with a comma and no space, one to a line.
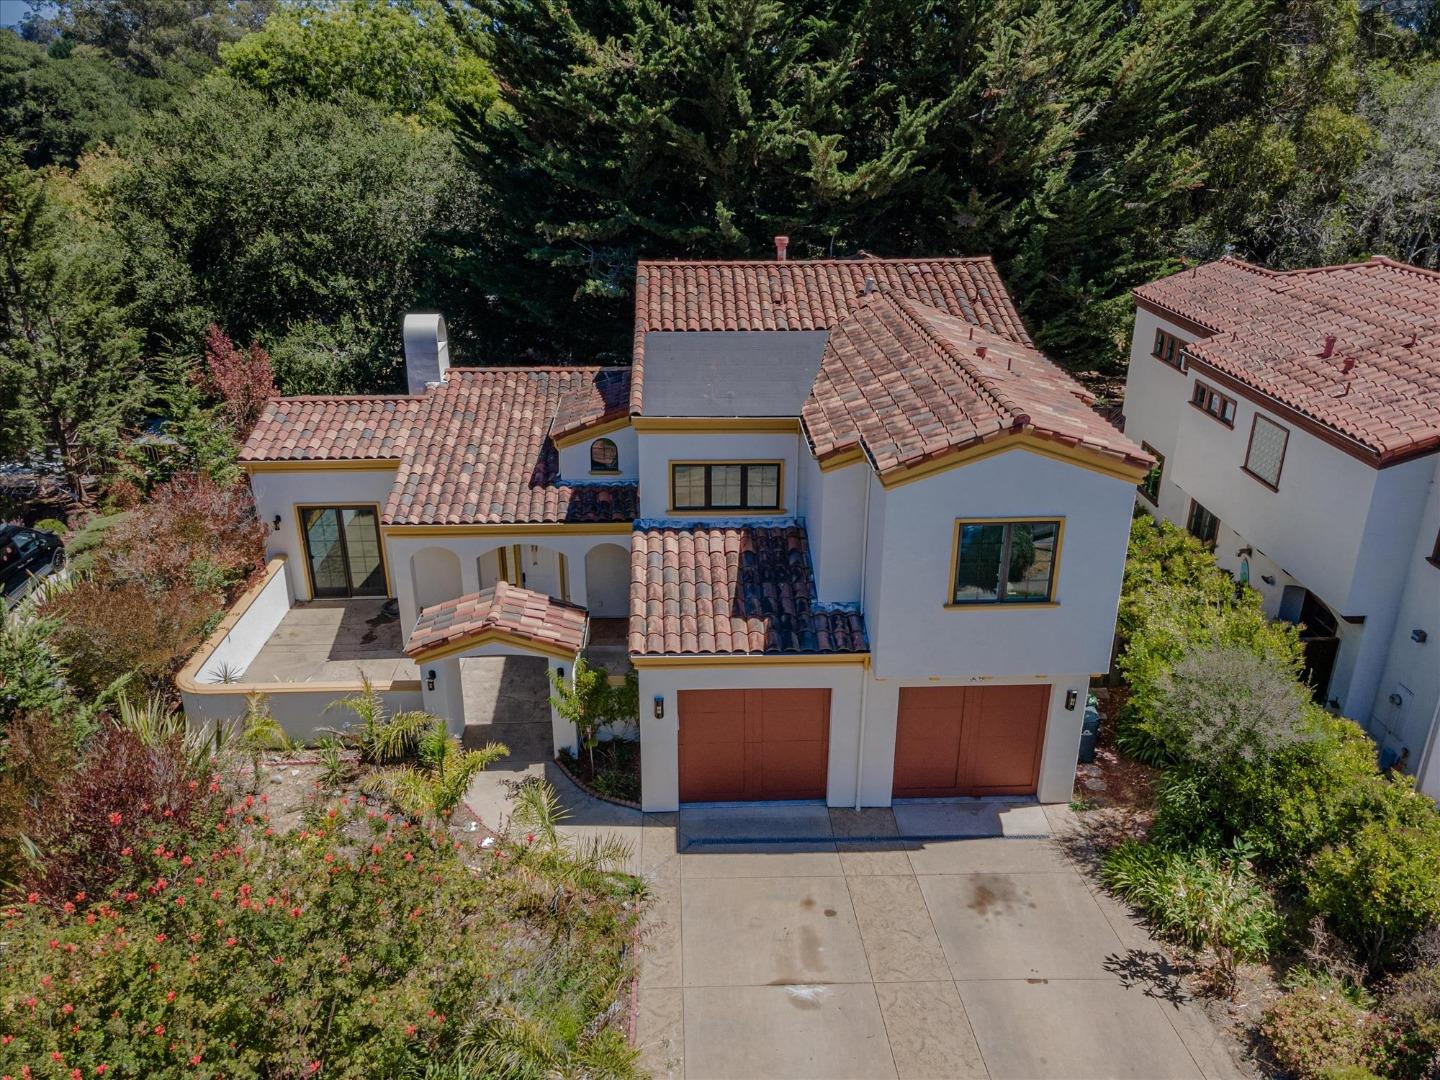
1089,731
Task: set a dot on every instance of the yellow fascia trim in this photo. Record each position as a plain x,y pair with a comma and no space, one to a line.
609,528
748,659
1098,463
349,465
950,605
586,434
718,425
842,459
491,637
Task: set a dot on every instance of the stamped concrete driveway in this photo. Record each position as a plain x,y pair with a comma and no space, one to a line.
835,944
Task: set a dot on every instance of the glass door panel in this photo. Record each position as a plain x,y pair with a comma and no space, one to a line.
325,548
362,548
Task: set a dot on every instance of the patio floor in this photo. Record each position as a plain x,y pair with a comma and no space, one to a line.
333,641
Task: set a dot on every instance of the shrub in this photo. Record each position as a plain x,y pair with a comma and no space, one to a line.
1379,886
123,493
1202,898
1317,1028
191,534
240,378
360,946
107,633
51,525
1411,1003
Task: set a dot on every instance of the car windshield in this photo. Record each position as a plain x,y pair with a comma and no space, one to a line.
14,543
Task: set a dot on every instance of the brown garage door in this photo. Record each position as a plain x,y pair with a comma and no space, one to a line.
969,740
753,744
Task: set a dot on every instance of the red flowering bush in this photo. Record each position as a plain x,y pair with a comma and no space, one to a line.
241,378
358,946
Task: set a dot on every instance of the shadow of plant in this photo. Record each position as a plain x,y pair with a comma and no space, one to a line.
1153,972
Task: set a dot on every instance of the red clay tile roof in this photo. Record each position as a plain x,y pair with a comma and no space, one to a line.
807,295
906,382
486,458
700,590
506,609
604,398
1380,385
333,429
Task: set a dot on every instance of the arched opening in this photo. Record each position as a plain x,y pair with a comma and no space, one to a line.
436,573
604,456
1319,635
607,581
531,566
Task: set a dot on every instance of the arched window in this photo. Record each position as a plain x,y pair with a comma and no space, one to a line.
604,456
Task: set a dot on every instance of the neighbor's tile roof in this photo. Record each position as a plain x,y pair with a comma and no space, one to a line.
506,609
604,398
1380,385
486,457
906,382
714,589
333,428
807,295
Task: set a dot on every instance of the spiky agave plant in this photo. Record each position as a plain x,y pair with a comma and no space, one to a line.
154,723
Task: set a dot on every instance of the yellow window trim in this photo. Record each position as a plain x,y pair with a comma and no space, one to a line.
729,511
952,605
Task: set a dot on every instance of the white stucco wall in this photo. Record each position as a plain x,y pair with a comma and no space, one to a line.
659,739
244,640
575,459
658,449
1155,392
837,532
280,492
913,633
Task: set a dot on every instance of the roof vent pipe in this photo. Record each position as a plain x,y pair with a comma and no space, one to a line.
1329,347
427,351
980,351
1348,365
781,243
869,285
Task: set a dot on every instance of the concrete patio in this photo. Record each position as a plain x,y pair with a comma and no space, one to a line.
333,641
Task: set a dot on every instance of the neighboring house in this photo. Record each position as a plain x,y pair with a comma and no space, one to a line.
1296,422
867,540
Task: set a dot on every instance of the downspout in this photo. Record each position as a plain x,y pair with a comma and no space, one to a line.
865,671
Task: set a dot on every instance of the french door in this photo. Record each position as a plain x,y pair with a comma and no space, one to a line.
342,547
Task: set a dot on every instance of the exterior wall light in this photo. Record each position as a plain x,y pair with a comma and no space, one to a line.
1419,636
277,522
1071,697
430,679
659,706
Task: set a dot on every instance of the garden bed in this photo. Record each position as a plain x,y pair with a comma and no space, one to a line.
614,774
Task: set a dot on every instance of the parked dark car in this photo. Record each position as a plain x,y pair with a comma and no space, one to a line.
26,556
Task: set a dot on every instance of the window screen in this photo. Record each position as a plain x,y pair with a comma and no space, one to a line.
1266,455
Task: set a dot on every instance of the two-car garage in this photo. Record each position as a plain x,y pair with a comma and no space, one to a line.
756,744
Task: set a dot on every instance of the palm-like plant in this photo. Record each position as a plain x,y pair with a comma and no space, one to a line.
260,731
435,784
580,864
380,737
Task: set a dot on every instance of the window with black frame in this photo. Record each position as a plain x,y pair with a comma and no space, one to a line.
604,456
1150,486
1004,562
1202,524
752,486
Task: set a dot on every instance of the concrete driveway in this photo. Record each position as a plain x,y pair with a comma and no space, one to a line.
832,944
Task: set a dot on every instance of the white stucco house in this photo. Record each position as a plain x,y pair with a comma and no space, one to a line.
1295,419
863,541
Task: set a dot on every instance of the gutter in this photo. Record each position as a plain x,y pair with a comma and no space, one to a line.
864,675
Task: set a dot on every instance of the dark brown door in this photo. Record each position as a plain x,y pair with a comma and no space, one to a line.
969,740
753,744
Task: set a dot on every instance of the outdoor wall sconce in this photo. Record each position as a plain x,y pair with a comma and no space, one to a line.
1071,697
277,523
1245,553
1396,700
1268,579
659,706
560,672
430,679
1419,636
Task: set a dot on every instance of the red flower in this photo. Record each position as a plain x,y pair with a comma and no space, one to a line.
100,1069
409,1030
159,1029
194,1059
230,942
115,818
33,898
126,852
170,995
159,939
67,1008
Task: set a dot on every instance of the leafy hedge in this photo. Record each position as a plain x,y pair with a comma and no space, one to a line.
1248,758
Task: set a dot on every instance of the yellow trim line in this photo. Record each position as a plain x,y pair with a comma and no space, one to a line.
491,637
594,432
717,425
1086,459
747,659
346,465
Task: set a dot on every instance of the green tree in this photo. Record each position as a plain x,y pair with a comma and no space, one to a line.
70,370
265,215
404,55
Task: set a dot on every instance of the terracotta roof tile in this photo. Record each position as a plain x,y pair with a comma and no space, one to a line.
701,589
1380,384
906,382
603,398
486,456
506,609
333,428
807,295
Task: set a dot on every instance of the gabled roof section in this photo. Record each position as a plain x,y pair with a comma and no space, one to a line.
906,384
379,428
486,456
807,295
505,613
1353,350
718,590
593,403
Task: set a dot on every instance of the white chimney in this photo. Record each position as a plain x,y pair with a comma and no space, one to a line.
427,352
